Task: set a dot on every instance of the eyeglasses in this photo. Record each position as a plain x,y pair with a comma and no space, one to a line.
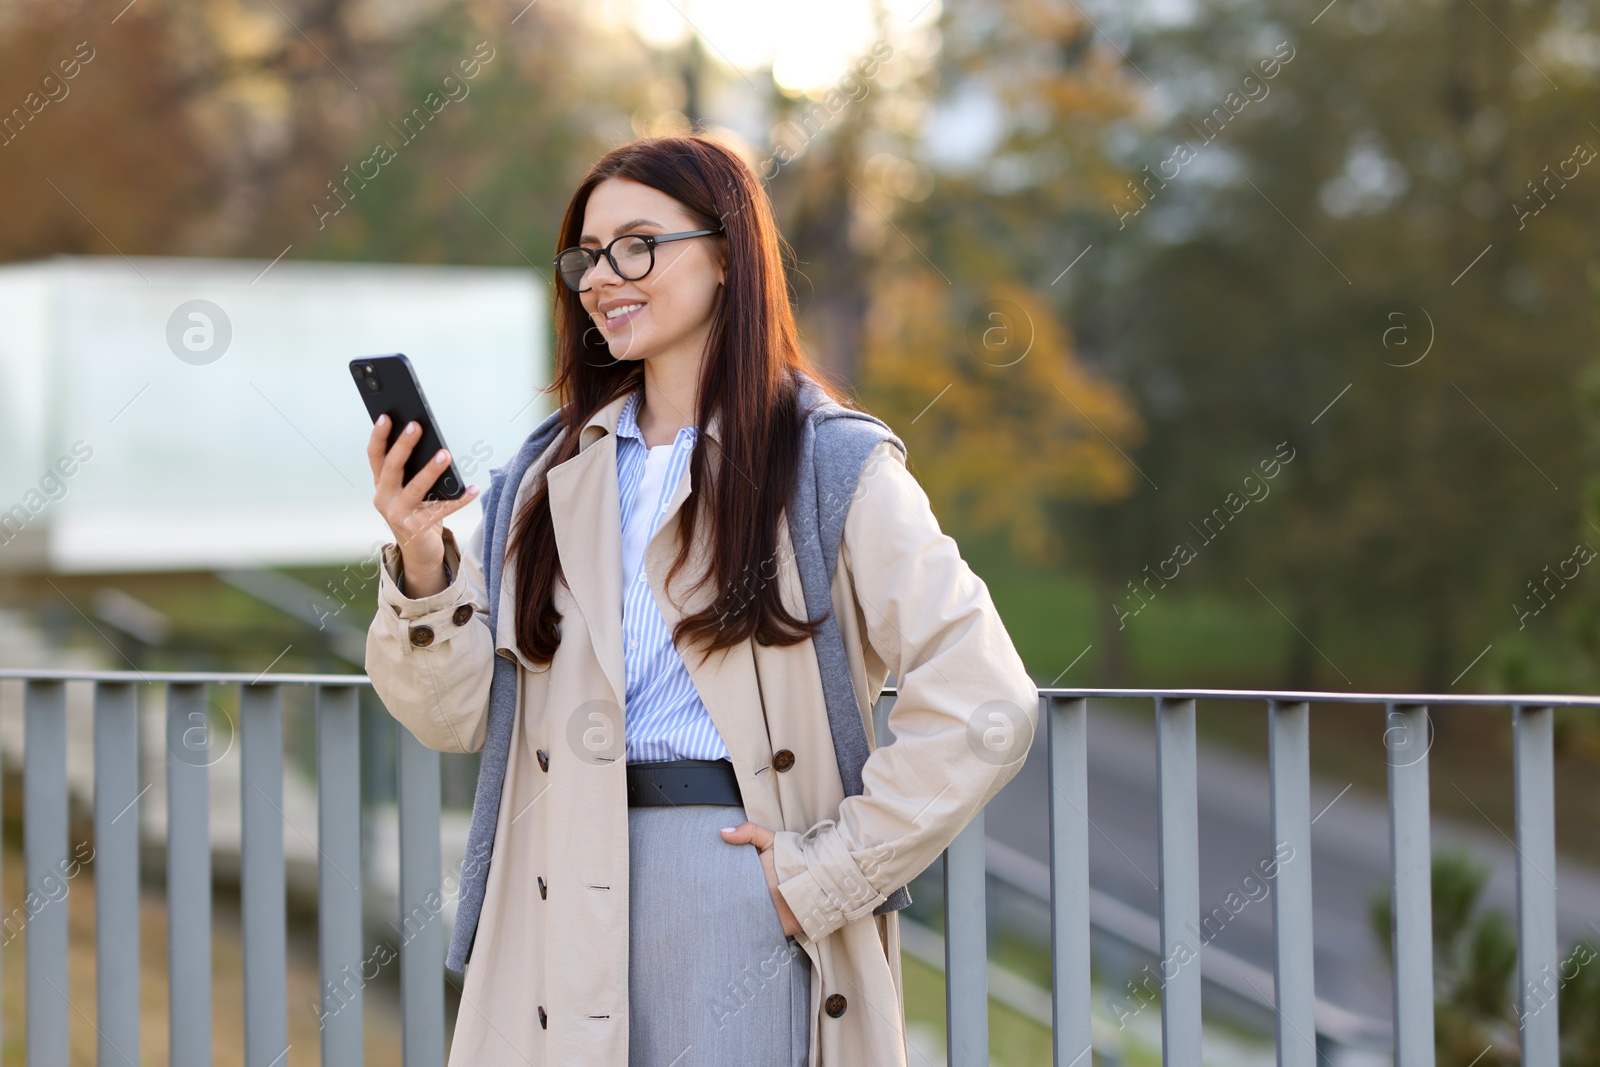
635,257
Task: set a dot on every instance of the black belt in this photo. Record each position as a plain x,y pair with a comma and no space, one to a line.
682,781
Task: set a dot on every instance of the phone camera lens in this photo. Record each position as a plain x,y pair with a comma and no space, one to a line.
372,385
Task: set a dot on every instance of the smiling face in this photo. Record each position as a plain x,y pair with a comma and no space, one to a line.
668,311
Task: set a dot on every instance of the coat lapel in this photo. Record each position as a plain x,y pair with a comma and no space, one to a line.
587,517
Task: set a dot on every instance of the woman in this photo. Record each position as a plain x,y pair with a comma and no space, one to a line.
678,874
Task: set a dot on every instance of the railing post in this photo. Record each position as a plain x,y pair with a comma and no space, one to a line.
261,889
1407,738
966,947
1538,976
422,947
44,822
1293,946
116,871
1072,1035
189,758
1179,832
339,874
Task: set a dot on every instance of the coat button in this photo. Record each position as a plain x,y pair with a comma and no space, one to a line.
544,1020
544,760
541,887
834,1005
463,615
783,759
422,636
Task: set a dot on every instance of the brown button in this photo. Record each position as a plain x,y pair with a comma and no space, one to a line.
463,615
544,1020
834,1005
541,887
544,760
422,636
783,759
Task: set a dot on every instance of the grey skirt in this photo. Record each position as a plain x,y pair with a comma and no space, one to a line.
712,980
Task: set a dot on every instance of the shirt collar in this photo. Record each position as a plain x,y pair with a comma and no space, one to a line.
618,417
628,420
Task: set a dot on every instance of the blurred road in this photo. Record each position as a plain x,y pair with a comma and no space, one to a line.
1350,850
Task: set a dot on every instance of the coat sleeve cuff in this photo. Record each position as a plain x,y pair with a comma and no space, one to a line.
401,614
820,880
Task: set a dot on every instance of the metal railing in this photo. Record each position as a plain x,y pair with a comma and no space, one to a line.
1407,740
1064,717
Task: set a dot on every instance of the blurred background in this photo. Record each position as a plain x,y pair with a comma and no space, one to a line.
1239,344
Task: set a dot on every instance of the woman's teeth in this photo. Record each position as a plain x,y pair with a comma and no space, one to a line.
623,310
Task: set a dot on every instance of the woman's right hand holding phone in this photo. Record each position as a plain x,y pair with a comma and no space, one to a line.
417,524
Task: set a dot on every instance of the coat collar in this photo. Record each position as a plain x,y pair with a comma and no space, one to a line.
603,423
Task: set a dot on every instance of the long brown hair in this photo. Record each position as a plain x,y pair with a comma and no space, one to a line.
749,379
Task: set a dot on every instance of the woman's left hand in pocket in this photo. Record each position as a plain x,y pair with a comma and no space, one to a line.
755,834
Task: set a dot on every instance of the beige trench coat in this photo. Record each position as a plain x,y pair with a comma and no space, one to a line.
905,602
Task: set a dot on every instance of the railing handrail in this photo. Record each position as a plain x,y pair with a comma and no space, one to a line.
1312,696
65,674
1285,696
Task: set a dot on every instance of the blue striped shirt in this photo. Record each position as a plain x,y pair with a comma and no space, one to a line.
664,717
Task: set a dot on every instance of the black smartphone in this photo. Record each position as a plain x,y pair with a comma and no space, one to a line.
389,387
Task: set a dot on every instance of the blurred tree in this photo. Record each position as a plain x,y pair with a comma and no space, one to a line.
980,407
998,188
97,155
275,95
1579,1004
1345,259
932,275
1577,729
220,128
814,168
817,215
1474,966
1477,1012
488,179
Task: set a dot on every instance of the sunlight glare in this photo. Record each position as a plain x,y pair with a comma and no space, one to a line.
809,46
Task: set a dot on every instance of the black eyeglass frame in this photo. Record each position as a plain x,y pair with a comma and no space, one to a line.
650,240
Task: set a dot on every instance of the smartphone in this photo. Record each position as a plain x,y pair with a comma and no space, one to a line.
389,387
